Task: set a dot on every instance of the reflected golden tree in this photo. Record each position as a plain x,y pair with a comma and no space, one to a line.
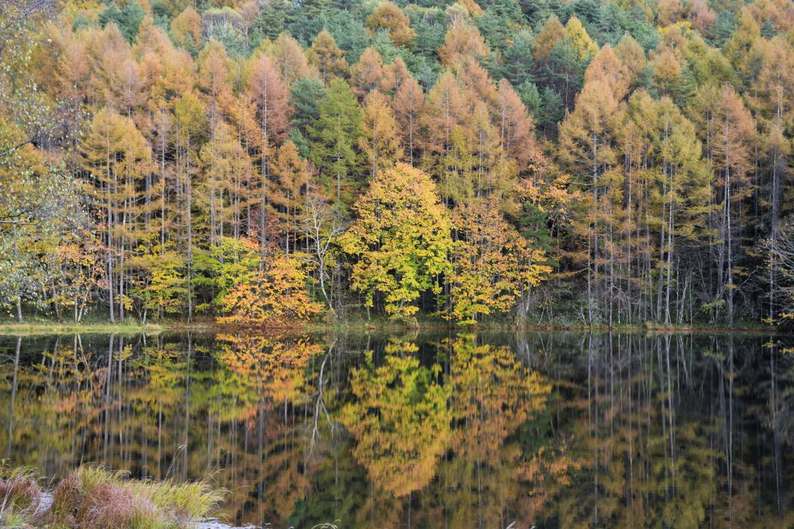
399,418
263,383
269,367
493,395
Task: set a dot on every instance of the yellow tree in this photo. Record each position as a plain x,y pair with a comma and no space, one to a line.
379,140
270,96
732,161
288,56
462,41
445,108
493,264
776,103
516,128
116,158
224,163
191,124
493,396
399,241
408,102
289,188
388,16
326,56
369,74
587,148
276,296
582,43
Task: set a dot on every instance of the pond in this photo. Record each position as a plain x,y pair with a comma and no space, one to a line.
491,430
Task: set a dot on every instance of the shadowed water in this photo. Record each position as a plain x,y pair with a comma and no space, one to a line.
423,431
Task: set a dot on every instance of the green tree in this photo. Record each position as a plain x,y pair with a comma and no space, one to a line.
160,286
334,138
305,96
128,18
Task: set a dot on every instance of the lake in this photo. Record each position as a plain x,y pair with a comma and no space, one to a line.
456,430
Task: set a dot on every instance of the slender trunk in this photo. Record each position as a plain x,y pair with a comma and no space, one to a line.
189,226
670,227
729,243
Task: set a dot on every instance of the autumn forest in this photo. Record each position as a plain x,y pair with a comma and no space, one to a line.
254,162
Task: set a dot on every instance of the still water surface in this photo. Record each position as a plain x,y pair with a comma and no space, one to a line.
422,431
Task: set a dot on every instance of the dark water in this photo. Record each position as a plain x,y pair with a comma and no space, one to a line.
460,431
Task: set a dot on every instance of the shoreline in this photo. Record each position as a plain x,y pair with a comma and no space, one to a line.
44,327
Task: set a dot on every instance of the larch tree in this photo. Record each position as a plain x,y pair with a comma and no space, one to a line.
516,128
389,17
291,178
776,104
735,132
224,162
270,96
326,56
578,37
587,147
379,142
550,34
369,74
669,186
190,131
290,59
445,108
116,158
408,102
215,76
186,29
462,41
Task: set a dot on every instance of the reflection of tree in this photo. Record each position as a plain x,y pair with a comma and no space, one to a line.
642,464
637,432
263,384
661,436
264,366
51,409
399,418
493,395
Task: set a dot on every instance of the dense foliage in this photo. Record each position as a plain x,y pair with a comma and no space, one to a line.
604,161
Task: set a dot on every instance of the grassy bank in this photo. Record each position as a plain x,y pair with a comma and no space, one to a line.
357,324
94,498
48,327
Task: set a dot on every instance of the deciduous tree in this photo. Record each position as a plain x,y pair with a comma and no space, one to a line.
400,240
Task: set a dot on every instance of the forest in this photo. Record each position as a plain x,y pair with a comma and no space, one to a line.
593,162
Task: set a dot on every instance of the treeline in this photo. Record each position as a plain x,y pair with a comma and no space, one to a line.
595,161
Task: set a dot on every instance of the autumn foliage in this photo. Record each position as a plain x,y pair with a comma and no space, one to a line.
588,161
275,296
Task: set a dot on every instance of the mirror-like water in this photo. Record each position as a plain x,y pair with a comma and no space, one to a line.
457,431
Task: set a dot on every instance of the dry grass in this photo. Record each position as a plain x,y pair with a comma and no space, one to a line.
20,495
93,498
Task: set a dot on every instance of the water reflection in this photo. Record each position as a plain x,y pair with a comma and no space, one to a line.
550,430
